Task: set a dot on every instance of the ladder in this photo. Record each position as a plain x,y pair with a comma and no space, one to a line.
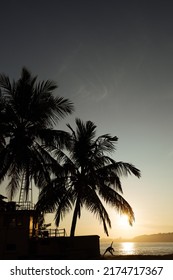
25,199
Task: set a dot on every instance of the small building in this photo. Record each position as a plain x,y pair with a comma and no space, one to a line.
16,228
20,238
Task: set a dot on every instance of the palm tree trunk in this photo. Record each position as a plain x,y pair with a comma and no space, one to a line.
74,220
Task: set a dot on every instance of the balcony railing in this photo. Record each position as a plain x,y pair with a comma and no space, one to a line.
25,205
48,233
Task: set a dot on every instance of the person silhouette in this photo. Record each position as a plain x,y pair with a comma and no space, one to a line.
110,249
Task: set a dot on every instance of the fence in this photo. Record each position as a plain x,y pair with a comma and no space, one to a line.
48,233
25,205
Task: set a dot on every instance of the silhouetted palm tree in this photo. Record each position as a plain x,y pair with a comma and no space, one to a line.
90,177
3,204
28,111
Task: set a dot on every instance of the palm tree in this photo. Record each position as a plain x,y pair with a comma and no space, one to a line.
3,204
89,178
28,111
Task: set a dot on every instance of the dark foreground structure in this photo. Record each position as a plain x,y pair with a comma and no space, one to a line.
20,238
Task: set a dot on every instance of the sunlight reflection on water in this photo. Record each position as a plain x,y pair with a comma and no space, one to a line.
128,248
138,248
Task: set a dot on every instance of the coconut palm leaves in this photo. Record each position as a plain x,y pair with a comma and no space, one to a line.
89,178
28,111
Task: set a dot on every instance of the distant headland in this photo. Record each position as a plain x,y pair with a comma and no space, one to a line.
158,237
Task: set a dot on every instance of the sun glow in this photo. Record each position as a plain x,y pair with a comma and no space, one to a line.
123,221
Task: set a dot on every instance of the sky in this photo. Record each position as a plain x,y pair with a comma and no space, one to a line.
114,60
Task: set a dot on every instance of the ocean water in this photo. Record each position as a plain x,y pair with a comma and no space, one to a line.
138,248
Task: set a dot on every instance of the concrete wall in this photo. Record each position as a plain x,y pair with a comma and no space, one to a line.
78,247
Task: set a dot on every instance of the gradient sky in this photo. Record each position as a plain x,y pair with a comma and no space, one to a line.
114,60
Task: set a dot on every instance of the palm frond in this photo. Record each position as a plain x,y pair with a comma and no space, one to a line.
125,169
105,143
55,196
64,207
54,138
46,87
85,131
6,161
5,83
41,166
50,195
95,206
26,75
73,132
114,199
14,183
107,176
63,107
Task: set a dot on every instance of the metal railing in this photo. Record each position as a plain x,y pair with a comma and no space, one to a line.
48,233
25,205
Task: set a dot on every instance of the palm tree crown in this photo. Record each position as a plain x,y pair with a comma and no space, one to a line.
28,111
89,177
